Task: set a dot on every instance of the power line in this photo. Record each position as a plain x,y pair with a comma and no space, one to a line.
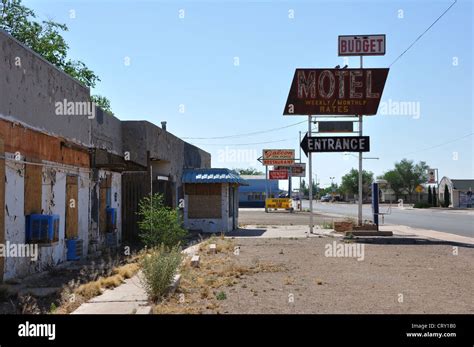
423,33
240,144
242,135
441,144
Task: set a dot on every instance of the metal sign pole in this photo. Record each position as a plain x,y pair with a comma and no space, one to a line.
299,191
266,187
360,163
310,170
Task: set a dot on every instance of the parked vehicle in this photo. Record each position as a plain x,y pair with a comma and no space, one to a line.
326,198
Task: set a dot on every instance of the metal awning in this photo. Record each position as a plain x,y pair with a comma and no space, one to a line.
212,176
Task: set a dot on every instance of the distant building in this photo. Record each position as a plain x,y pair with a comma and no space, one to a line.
460,191
253,195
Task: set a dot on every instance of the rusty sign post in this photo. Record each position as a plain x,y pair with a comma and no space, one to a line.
361,45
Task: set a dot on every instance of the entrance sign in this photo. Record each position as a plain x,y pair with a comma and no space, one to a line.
335,127
297,169
278,174
335,144
361,45
278,156
346,92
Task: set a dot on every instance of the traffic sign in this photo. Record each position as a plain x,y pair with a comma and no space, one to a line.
335,144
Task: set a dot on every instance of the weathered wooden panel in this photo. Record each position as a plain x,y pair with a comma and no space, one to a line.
33,189
204,206
165,188
135,186
71,207
2,206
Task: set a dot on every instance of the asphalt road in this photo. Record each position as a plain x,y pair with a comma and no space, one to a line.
459,222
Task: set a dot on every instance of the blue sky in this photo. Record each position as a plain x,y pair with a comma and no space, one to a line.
189,64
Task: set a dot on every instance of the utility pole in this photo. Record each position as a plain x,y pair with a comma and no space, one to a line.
266,187
360,163
310,171
299,192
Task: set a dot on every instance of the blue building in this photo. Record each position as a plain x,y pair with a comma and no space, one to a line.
253,195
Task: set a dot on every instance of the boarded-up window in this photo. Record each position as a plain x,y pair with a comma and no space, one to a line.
104,197
33,187
204,200
71,207
204,206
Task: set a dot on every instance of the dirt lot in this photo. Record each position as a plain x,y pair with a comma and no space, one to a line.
295,276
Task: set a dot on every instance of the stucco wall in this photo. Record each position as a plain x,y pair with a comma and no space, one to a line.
30,87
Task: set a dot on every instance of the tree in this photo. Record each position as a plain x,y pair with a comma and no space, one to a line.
395,182
45,39
447,198
304,188
102,102
435,198
430,196
250,171
350,182
411,175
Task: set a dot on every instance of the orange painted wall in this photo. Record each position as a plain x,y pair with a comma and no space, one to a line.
39,146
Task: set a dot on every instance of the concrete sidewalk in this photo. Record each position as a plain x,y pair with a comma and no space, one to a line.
128,298
277,231
300,231
402,230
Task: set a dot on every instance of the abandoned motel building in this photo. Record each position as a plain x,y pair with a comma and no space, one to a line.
71,184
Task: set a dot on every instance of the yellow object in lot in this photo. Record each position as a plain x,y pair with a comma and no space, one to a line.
285,203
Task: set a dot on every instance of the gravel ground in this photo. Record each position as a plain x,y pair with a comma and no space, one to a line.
391,279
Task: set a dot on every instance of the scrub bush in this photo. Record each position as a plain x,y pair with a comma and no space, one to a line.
159,268
422,205
158,223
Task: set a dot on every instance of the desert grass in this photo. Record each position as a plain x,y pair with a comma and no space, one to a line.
201,289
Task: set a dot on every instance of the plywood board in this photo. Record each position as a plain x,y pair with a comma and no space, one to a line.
33,188
71,206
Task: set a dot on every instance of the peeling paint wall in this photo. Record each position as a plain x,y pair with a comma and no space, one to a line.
14,216
53,202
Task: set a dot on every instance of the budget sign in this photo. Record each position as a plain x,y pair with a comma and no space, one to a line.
361,45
